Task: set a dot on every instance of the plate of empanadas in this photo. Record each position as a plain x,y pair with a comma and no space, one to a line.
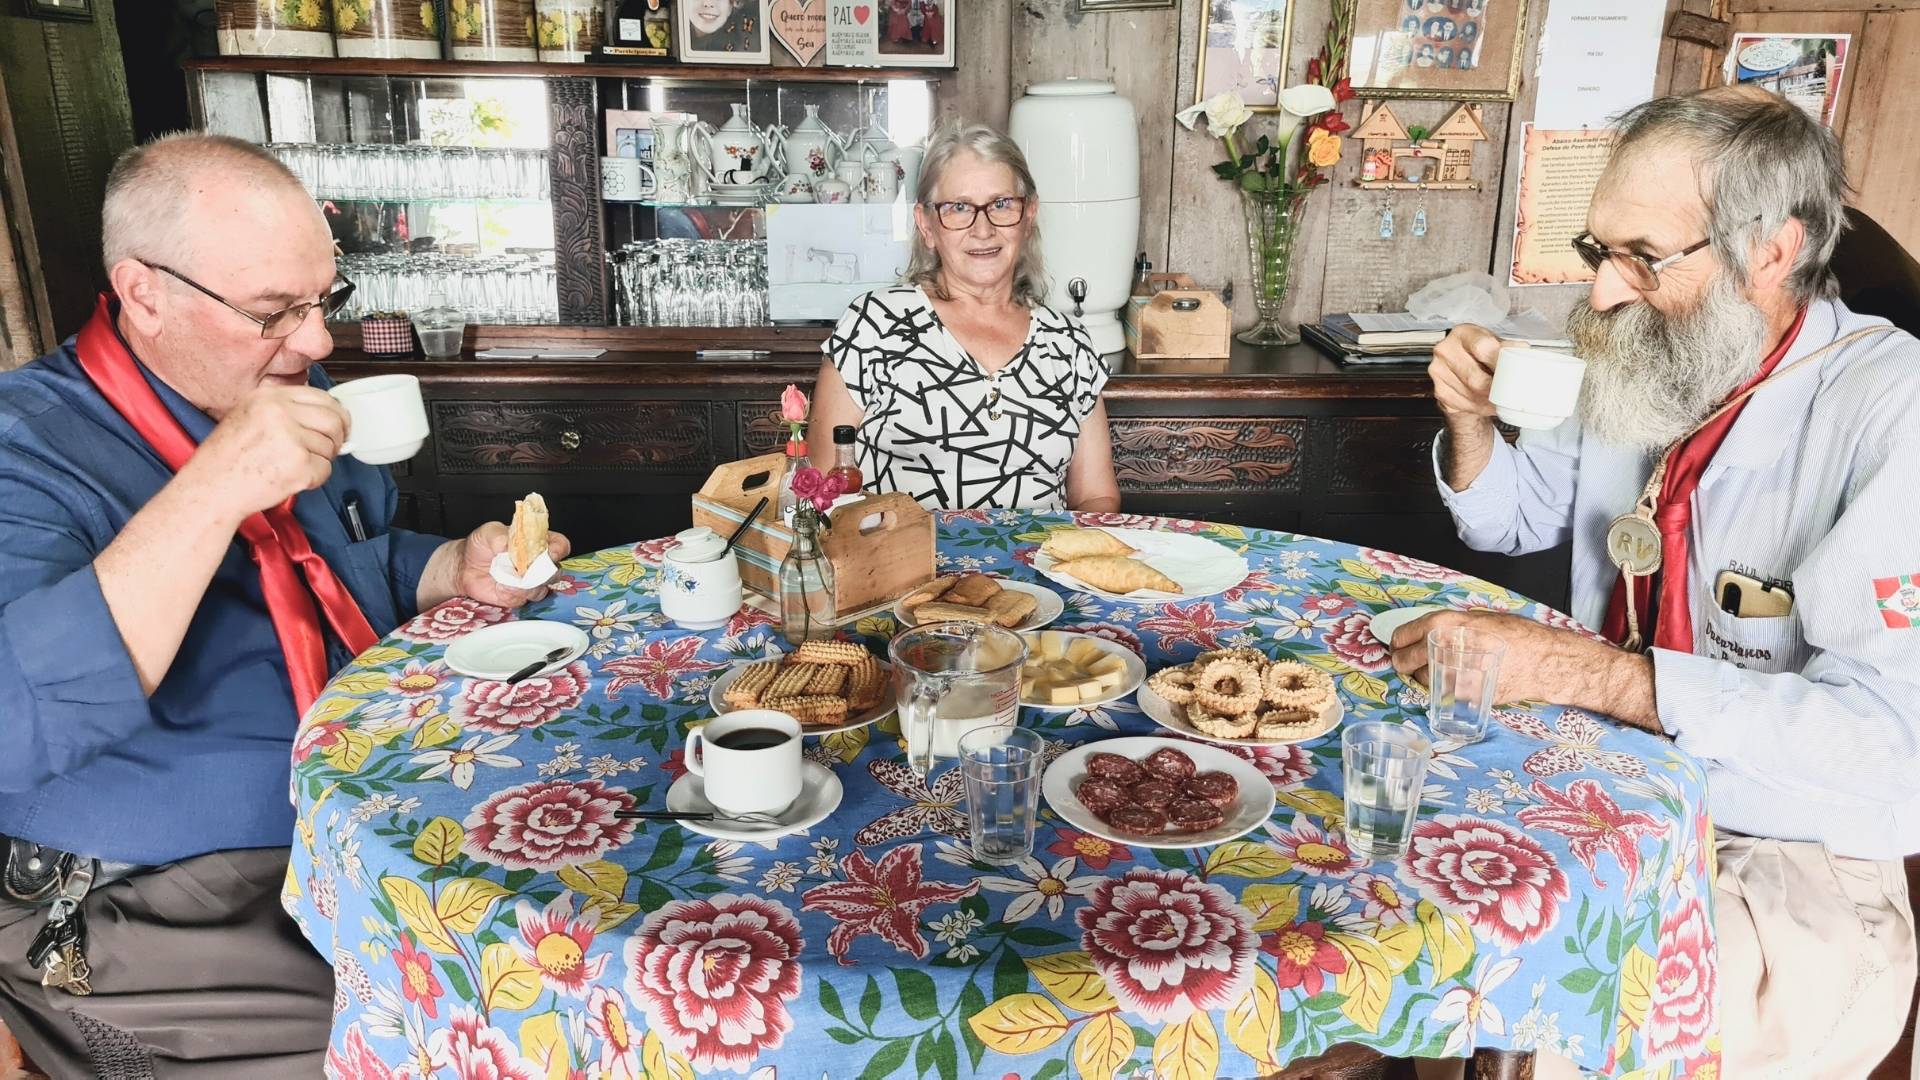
980,598
1139,565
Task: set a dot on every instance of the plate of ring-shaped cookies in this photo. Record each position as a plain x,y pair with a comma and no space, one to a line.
1242,697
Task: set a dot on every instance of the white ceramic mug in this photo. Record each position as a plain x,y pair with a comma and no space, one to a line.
1536,388
762,781
882,183
624,179
389,419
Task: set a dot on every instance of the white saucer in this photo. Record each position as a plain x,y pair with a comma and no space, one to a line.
820,794
1385,623
497,651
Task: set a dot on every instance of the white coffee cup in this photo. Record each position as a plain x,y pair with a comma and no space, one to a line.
1536,388
764,779
624,179
389,419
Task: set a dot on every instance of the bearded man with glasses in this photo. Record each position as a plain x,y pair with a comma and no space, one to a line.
180,572
1760,438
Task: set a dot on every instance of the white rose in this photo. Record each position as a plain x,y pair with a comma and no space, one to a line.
1225,112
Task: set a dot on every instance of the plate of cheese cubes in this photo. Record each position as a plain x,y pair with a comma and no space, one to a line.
1077,671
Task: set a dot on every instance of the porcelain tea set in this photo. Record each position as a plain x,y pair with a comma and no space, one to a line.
739,165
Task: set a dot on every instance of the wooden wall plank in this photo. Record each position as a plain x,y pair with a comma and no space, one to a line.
1879,134
1742,7
978,91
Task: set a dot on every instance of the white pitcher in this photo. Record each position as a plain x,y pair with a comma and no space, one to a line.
672,164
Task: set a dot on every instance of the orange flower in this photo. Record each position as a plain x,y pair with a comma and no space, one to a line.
1323,148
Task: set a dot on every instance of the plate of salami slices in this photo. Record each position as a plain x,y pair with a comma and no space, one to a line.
1158,793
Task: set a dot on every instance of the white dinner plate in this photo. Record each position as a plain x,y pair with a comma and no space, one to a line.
1203,567
1171,717
716,700
497,651
1136,671
1249,811
1392,619
1047,605
820,794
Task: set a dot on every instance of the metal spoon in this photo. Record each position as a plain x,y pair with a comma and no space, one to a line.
533,669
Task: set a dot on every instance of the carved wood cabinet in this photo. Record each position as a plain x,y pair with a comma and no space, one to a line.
617,445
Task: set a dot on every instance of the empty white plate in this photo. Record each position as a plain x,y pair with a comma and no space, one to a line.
498,651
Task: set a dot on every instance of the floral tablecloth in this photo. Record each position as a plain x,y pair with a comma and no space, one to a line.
459,860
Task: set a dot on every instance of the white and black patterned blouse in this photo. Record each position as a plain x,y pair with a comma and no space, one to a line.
936,426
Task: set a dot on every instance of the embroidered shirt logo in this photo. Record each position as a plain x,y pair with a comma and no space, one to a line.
1899,601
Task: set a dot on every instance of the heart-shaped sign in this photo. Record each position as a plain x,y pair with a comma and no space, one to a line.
860,14
801,27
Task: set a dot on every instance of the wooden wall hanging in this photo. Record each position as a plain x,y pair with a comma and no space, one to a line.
1393,159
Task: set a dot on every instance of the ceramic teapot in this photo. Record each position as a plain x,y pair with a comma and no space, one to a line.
866,144
810,149
734,154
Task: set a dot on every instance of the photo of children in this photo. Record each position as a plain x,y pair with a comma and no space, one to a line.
724,32
913,27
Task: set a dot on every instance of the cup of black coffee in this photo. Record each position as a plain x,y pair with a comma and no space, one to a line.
749,761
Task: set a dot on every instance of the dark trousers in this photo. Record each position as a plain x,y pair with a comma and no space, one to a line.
197,972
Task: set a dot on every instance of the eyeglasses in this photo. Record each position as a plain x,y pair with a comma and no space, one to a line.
281,323
1004,211
1640,272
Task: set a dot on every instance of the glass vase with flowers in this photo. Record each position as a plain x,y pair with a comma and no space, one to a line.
807,611
793,412
1276,172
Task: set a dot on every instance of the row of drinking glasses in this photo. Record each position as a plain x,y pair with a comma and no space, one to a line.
404,172
691,283
488,288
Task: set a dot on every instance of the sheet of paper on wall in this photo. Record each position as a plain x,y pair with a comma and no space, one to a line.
1806,69
1559,171
1597,60
821,256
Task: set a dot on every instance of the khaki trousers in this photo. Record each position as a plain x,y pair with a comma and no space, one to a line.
197,972
1816,964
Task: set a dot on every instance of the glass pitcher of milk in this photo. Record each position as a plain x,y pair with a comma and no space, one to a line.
952,677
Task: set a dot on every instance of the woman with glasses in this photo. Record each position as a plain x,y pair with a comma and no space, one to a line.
967,390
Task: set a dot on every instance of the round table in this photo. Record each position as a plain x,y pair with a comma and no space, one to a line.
459,861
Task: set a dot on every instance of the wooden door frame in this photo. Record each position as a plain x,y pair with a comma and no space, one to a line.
26,318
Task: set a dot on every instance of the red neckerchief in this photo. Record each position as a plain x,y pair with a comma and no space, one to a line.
1673,625
274,538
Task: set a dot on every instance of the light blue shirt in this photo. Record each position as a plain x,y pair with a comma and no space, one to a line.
1809,724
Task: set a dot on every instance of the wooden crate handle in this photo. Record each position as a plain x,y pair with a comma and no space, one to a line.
892,509
741,482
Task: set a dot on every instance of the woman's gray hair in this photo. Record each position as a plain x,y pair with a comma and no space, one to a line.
993,146
1760,160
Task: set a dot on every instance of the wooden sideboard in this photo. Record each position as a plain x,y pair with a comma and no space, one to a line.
1279,439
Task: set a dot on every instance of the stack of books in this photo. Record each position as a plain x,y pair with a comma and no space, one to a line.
1400,338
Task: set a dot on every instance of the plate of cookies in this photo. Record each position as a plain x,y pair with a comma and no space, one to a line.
1077,671
980,598
1139,566
1241,697
826,685
1158,793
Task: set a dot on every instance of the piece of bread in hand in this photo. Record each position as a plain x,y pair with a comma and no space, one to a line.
527,536
1066,544
1117,574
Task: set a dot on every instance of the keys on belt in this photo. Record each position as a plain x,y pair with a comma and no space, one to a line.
60,948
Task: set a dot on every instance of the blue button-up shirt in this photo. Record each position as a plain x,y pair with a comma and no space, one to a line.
1809,722
89,763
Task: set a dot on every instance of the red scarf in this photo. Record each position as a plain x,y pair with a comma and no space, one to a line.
1673,515
274,538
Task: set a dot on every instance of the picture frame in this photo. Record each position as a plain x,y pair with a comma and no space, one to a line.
891,33
75,10
723,32
630,132
1244,46
1459,50
1096,6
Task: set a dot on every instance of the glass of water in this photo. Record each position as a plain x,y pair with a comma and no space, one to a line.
1001,767
1384,766
1463,667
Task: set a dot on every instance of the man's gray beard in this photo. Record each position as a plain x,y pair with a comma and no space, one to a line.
1651,378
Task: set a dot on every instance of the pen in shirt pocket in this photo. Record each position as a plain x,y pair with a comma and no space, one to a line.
356,527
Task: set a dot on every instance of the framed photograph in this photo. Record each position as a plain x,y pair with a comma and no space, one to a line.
724,32
630,132
890,33
1806,69
1461,50
1243,46
78,10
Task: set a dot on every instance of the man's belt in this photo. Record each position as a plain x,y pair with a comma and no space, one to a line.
32,873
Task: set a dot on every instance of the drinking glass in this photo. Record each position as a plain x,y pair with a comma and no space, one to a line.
1463,666
1001,768
1384,766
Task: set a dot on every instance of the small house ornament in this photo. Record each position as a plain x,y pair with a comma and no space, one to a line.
1396,157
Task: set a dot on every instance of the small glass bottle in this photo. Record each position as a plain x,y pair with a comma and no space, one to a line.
844,465
796,460
806,585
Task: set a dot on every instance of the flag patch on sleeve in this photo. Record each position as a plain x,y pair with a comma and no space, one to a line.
1899,601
